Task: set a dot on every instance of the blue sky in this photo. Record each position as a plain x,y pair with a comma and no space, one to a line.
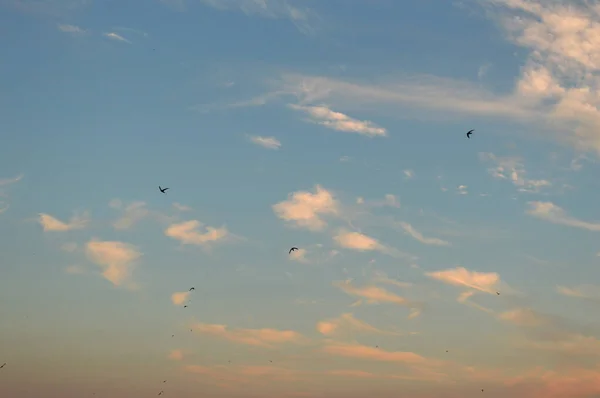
428,263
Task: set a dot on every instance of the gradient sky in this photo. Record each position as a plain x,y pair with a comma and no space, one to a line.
335,126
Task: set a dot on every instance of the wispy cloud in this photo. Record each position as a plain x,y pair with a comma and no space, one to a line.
487,282
115,36
374,295
555,214
305,209
409,229
364,243
589,292
73,29
117,259
348,324
340,122
4,183
175,355
265,142
513,170
304,19
409,174
51,224
257,337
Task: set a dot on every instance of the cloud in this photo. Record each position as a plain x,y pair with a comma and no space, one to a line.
298,255
347,323
382,278
71,29
374,294
116,259
51,224
4,183
303,19
179,298
254,337
409,174
187,233
340,122
363,243
409,229
487,282
548,211
131,214
117,37
513,170
180,207
589,292
462,190
176,355
524,317
305,209
376,354
266,142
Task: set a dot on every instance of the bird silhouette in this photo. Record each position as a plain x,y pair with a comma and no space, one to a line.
292,249
469,133
3,365
192,288
163,190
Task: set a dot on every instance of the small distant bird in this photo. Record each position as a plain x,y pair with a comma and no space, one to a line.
3,365
498,293
446,350
192,288
292,249
172,335
163,190
164,381
160,393
376,346
469,133
185,306
270,361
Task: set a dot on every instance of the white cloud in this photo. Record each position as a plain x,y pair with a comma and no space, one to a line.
419,236
305,209
180,207
340,122
131,214
51,224
266,142
409,174
513,170
487,282
188,234
70,29
555,214
117,259
462,190
115,36
4,183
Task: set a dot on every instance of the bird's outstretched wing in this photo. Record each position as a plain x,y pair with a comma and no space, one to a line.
292,249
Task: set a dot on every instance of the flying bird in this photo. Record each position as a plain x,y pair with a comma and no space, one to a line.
3,365
498,293
292,249
185,306
163,190
469,133
192,288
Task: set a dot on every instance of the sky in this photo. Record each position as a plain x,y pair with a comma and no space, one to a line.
429,264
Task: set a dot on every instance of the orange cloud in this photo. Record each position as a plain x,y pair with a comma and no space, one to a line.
305,209
179,298
374,294
375,354
486,282
348,323
255,337
51,224
116,259
187,233
176,355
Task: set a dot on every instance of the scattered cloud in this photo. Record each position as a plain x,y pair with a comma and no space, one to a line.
409,174
131,214
548,211
487,282
513,170
180,207
51,224
589,292
347,323
179,298
5,183
176,355
266,142
376,354
461,190
117,259
71,29
410,230
374,294
188,234
299,256
304,19
115,36
363,243
305,209
340,122
255,337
